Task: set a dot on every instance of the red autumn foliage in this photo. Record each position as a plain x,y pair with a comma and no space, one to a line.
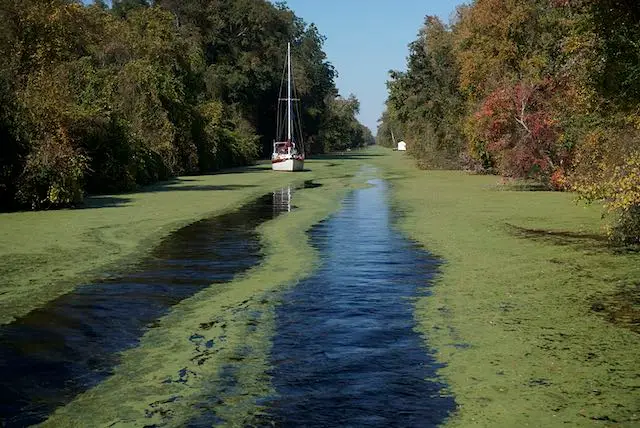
520,131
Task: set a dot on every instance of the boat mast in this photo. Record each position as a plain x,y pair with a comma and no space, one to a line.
289,92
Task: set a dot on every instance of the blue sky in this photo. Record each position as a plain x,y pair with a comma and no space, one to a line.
366,39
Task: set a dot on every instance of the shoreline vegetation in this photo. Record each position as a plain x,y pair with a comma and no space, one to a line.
539,90
110,96
532,316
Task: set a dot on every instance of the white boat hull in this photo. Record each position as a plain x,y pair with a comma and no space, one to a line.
288,165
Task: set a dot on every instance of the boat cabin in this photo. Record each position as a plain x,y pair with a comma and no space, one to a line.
284,148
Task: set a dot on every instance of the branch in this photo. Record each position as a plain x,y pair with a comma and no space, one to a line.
523,107
521,122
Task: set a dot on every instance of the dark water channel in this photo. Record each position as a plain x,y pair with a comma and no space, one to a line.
55,352
345,351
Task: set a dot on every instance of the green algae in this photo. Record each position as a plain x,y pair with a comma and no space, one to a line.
511,313
210,353
46,254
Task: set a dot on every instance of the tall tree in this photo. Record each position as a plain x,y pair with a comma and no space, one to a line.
425,100
101,99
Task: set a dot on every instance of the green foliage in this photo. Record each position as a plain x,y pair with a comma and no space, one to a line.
341,130
122,8
112,98
425,105
53,174
616,25
225,137
606,85
625,226
607,168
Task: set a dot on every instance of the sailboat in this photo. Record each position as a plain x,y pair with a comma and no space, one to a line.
288,153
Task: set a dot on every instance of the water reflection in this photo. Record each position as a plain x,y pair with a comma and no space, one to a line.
282,200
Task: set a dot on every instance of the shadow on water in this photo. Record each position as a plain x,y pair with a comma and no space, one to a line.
586,241
192,187
173,185
261,166
346,352
347,156
103,202
53,353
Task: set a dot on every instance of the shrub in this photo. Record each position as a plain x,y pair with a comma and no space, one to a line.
520,131
608,169
625,227
53,175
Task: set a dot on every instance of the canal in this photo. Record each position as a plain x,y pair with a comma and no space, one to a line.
345,353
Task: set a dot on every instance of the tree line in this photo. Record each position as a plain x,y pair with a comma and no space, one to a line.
547,90
103,98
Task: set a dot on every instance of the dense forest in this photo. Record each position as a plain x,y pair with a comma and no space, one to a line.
103,98
545,90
